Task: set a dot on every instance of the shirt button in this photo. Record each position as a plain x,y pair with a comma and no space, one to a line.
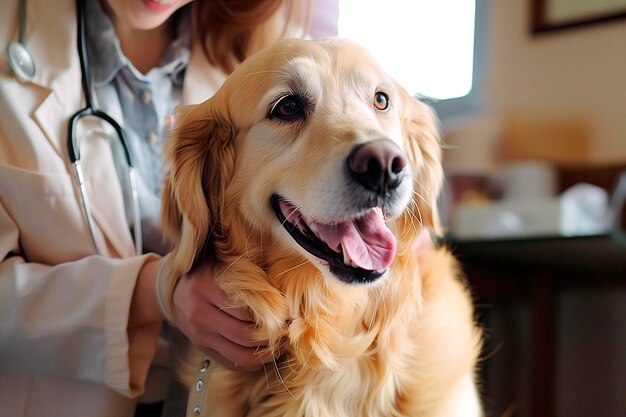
153,138
146,96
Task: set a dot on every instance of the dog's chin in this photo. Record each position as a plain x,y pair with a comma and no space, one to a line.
337,262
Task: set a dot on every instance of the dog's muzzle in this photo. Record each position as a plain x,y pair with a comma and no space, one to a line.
357,249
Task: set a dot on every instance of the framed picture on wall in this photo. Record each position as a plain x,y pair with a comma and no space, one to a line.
553,15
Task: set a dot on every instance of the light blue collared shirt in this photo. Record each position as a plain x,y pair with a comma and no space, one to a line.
143,104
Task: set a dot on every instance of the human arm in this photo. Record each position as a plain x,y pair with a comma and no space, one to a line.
68,319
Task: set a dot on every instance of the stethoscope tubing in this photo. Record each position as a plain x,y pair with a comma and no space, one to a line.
18,57
21,11
80,179
74,148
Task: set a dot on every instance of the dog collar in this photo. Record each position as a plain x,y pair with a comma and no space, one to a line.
197,400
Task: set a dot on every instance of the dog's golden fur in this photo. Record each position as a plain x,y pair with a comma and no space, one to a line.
405,345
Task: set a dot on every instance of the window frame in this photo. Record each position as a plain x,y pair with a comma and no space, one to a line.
473,102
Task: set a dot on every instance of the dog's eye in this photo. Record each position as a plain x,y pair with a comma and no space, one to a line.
288,108
381,101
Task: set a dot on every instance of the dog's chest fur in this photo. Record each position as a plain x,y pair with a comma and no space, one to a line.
332,368
351,351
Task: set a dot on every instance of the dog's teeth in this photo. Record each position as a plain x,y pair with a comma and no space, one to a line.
346,258
316,232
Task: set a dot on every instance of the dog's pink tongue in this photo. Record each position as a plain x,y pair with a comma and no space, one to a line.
367,241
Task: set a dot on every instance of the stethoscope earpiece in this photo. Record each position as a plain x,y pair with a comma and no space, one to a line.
21,62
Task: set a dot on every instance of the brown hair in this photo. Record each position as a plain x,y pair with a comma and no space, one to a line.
228,28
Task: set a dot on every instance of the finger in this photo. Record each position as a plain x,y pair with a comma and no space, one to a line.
219,358
243,314
235,356
219,299
203,283
235,330
200,320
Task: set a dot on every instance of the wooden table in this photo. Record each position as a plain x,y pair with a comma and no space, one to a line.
533,271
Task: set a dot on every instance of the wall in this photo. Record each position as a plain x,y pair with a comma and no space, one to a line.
578,72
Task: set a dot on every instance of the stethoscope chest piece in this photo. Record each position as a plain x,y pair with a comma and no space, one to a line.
21,61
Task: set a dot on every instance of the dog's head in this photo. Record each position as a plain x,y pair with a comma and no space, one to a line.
308,145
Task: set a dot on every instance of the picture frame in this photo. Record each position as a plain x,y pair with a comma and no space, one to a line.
557,15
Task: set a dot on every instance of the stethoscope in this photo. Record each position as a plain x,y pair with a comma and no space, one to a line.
23,66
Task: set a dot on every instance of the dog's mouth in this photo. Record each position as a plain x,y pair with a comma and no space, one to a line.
357,250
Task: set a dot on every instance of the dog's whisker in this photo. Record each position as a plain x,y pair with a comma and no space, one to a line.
304,365
318,282
290,364
293,212
230,265
416,219
286,364
291,269
280,378
416,178
247,241
267,378
427,201
419,215
424,199
411,223
376,304
383,300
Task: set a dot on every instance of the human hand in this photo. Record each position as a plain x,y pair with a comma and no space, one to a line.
222,332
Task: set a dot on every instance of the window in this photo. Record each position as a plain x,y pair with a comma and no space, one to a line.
431,47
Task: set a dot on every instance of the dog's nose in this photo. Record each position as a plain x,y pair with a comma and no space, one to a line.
378,165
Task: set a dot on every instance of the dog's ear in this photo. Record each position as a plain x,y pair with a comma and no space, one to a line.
199,156
422,142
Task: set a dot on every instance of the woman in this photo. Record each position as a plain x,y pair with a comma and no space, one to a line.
79,329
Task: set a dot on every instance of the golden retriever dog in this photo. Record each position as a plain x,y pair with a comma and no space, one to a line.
311,178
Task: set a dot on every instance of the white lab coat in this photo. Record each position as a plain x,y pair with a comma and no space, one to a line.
63,311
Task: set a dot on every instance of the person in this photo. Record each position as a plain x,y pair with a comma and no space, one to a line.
80,322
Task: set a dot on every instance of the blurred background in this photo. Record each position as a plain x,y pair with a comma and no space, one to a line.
532,100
